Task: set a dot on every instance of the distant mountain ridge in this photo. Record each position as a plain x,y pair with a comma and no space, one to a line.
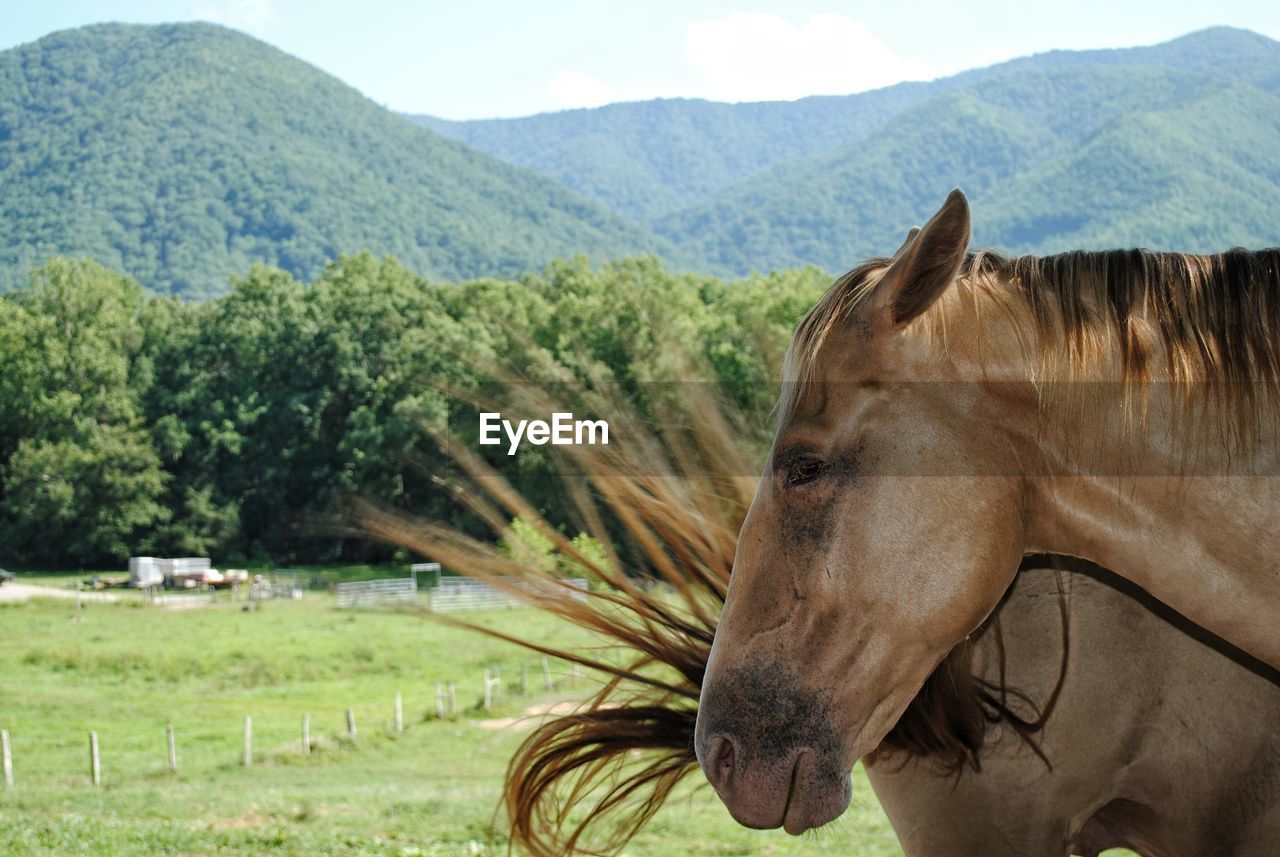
1044,144
645,159
1121,172
181,154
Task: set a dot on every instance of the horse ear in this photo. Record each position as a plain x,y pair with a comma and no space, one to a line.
911,236
927,263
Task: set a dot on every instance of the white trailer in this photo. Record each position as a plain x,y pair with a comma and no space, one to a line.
186,572
189,572
145,571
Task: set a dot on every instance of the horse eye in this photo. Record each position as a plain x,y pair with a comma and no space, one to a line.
804,470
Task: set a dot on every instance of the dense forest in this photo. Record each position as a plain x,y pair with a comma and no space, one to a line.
241,427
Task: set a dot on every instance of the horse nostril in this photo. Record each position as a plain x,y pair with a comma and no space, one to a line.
725,759
720,759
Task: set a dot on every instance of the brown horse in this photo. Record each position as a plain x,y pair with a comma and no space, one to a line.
1162,739
665,501
1150,735
943,415
1010,747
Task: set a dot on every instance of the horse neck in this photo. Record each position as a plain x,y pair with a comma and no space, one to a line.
1151,480
1152,475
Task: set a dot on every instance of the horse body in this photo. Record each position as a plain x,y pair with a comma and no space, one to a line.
943,416
1162,739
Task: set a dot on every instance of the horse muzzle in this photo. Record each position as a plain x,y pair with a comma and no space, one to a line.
797,791
763,768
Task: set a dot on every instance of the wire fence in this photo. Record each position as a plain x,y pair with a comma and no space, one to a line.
267,732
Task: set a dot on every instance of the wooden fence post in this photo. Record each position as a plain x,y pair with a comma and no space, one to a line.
173,750
95,765
246,755
439,701
351,724
399,713
7,756
488,690
306,733
453,700
546,674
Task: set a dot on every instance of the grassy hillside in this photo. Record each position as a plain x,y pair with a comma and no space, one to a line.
180,154
124,670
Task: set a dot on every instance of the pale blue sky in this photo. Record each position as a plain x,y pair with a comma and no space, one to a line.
468,59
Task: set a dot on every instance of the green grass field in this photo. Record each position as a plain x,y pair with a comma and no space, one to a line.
124,670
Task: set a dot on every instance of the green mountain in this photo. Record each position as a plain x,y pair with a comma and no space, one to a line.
181,154
1172,145
1212,182
645,159
1052,159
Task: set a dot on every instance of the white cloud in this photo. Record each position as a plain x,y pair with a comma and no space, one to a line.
759,56
575,89
252,16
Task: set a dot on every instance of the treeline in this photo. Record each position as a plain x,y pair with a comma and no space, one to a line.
240,428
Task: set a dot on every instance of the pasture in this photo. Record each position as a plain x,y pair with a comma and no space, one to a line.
124,670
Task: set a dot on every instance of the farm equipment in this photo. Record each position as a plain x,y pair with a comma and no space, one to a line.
182,573
98,582
228,579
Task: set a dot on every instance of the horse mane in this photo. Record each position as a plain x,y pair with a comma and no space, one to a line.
1209,325
667,505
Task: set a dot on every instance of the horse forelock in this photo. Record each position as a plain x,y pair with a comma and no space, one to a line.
840,303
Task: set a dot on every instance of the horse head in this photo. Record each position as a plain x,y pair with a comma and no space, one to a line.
883,531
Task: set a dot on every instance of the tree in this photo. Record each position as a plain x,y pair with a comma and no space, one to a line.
81,480
85,500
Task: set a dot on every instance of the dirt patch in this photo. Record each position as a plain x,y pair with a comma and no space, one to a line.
17,592
183,602
249,819
535,714
27,591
